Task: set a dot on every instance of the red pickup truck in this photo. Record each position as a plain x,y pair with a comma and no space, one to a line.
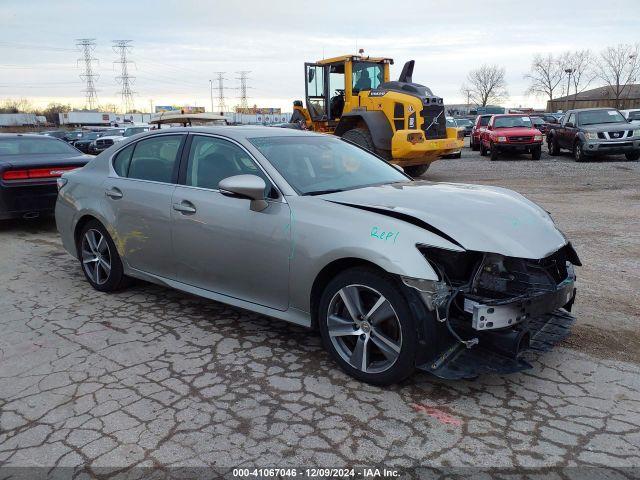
511,133
476,132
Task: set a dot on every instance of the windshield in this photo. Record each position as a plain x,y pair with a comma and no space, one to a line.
321,164
463,122
134,130
451,123
34,146
600,116
111,133
537,121
512,122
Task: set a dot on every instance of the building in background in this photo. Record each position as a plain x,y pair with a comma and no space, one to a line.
598,97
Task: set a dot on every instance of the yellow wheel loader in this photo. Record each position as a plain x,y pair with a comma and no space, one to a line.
352,96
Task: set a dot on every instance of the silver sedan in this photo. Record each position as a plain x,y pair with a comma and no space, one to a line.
396,274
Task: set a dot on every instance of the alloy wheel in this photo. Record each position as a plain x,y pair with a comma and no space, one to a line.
96,256
364,328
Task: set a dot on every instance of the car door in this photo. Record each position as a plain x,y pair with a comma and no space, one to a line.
137,201
568,131
219,244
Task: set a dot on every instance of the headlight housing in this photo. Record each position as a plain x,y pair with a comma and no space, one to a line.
591,135
537,138
454,268
636,133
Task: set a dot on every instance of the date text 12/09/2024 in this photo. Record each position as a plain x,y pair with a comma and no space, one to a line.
362,472
386,236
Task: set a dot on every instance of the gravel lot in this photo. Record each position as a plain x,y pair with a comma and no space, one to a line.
156,378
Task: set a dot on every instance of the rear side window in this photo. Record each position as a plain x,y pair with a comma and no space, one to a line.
155,158
484,121
123,160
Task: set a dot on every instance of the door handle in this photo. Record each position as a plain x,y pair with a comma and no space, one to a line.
184,207
113,193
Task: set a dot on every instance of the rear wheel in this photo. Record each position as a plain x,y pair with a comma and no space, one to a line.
361,137
99,258
632,156
416,170
367,326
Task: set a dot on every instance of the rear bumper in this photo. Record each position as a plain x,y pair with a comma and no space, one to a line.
17,201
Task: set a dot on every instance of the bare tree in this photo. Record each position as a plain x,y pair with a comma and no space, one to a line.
487,85
581,64
20,105
545,75
618,67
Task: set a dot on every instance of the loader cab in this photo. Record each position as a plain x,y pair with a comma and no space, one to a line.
333,86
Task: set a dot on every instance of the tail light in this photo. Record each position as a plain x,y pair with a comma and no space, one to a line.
35,173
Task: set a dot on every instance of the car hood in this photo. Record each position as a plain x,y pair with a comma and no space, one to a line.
479,218
516,131
607,127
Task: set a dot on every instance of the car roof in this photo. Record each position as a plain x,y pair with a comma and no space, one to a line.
238,132
28,135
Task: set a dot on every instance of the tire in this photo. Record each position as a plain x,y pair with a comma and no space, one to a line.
361,137
457,155
474,146
578,152
632,156
416,171
552,145
536,153
494,152
97,251
483,150
389,336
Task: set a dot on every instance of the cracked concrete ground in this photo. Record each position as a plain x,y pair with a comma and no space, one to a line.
154,377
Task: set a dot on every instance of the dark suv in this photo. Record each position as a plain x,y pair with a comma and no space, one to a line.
591,131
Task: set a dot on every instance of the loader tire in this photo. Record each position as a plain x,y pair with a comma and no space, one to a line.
361,137
416,170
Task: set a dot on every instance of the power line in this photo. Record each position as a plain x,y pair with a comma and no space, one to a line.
244,105
87,46
122,48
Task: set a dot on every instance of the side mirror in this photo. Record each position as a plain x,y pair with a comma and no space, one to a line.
246,186
569,124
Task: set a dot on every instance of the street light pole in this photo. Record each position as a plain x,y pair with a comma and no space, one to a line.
211,92
569,71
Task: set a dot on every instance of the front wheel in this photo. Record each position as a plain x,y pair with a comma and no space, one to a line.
367,326
483,150
474,145
536,153
578,152
494,152
632,156
416,170
552,145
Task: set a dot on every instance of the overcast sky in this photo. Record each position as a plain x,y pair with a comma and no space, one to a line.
178,45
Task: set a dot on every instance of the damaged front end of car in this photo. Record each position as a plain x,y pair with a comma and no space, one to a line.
489,309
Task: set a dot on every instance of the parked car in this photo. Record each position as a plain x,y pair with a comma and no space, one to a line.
130,131
476,131
540,124
84,142
465,123
452,279
105,140
29,168
54,133
453,123
632,116
590,131
72,136
511,133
